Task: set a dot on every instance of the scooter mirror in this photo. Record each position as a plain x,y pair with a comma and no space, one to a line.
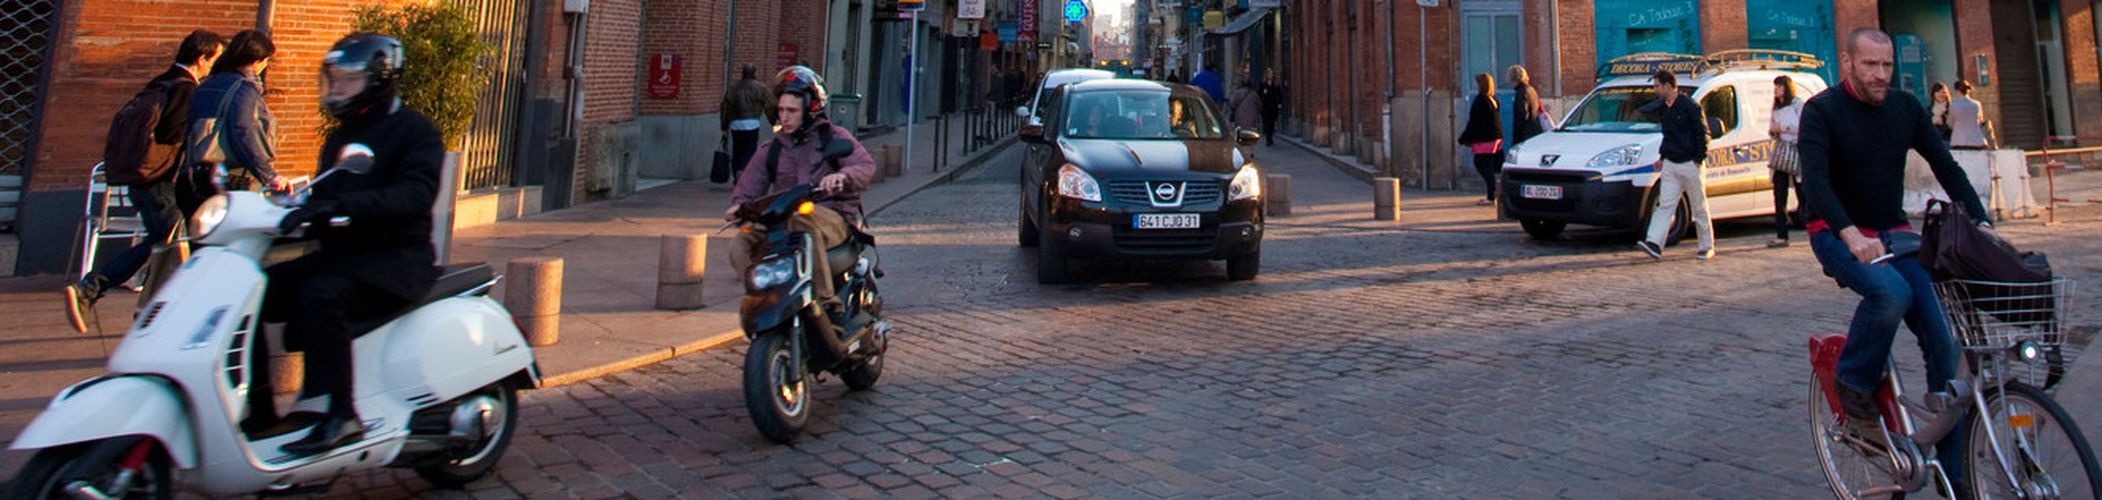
356,159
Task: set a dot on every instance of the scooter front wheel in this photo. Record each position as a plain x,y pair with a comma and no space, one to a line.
97,468
779,407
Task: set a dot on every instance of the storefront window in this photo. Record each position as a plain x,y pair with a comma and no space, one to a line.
1796,26
1636,26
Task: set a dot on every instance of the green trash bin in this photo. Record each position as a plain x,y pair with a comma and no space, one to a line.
845,111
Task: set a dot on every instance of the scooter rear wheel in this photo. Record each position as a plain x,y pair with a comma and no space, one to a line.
478,461
50,473
779,408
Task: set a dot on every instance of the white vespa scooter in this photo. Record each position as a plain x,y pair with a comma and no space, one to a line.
436,385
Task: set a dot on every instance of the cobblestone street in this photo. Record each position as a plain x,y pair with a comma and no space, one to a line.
1363,362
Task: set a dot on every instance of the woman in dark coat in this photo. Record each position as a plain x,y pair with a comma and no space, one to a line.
228,110
1525,107
1484,134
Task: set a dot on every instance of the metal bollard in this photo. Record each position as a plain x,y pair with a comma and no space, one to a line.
1277,195
534,297
680,262
1386,198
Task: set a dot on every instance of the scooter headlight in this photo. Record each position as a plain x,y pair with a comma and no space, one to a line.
772,273
209,215
1247,184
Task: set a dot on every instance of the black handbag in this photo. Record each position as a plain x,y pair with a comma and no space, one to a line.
720,173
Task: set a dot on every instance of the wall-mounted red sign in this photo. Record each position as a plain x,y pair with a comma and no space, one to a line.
785,55
664,76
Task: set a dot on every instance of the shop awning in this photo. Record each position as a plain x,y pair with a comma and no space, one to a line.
1246,20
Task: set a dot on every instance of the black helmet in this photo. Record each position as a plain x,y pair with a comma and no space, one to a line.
377,57
801,81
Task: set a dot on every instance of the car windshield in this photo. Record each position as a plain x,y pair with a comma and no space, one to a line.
1617,109
1139,115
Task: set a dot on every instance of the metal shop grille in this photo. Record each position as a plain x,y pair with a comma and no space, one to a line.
25,37
489,156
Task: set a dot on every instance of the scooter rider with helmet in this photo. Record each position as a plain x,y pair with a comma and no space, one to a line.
795,156
378,264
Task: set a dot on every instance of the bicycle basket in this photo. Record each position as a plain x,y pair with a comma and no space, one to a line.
1988,315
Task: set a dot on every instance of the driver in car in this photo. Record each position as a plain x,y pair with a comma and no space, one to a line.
796,156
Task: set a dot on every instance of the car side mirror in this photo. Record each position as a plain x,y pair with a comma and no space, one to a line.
1715,127
1032,133
1022,111
1249,137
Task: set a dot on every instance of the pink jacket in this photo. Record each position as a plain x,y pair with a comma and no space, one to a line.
802,162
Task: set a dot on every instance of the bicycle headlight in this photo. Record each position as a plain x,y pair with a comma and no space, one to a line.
1076,183
1620,156
1247,184
2028,351
209,215
772,273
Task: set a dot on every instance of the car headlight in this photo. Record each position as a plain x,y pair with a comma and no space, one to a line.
1511,155
772,273
1247,184
209,215
1620,156
1076,183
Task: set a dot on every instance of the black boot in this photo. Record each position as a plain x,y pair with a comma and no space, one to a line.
338,430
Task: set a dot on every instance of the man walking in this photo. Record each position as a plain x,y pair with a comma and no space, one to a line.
149,180
1273,97
1679,170
744,111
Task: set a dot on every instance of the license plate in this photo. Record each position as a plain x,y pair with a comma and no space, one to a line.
1541,192
1165,221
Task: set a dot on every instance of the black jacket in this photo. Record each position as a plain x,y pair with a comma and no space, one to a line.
1853,157
1273,99
1484,124
1525,114
175,112
388,243
1685,130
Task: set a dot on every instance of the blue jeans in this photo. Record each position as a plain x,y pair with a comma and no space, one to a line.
155,203
1897,290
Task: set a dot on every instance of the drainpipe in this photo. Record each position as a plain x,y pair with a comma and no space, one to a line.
1554,41
264,11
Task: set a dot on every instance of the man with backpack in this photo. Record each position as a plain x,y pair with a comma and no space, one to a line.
141,153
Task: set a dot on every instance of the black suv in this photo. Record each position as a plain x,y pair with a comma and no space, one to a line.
1138,170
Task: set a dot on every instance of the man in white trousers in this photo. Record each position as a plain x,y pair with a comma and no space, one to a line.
1684,151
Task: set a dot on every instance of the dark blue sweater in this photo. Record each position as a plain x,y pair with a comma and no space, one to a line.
1853,159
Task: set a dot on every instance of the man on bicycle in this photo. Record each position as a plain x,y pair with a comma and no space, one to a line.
1853,143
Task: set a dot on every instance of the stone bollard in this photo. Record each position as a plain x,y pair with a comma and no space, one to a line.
1277,194
680,263
893,160
1386,198
534,297
287,369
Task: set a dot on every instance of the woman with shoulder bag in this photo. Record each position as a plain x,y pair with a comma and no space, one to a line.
1786,123
1484,134
230,127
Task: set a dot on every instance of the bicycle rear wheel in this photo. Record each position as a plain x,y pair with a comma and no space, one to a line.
1850,465
2045,451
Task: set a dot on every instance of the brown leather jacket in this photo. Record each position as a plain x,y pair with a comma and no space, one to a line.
746,99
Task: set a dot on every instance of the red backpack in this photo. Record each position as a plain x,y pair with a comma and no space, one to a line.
129,154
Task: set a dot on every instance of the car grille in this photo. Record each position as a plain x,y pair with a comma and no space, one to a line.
1195,194
1166,241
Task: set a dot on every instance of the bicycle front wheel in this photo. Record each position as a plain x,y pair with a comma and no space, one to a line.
2045,454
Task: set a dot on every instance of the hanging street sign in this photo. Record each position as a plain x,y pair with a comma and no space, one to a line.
912,5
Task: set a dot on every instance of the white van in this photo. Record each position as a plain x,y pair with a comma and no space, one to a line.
1598,167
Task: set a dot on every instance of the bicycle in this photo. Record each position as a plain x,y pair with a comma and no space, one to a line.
2020,443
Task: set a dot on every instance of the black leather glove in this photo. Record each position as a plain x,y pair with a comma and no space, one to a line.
316,213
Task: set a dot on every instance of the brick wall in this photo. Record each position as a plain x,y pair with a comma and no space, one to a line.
612,40
686,28
303,30
803,24
2082,69
1723,25
1579,52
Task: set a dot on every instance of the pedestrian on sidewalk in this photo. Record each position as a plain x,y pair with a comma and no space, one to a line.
1786,165
1245,106
1968,128
1684,152
1939,93
744,112
1211,82
1528,118
150,181
230,124
1484,135
1273,96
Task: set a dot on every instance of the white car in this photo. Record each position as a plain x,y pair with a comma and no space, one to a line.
1598,167
1051,81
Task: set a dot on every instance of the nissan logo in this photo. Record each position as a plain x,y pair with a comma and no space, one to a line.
1166,194
1164,191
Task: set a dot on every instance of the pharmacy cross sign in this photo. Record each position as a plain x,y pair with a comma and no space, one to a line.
1076,11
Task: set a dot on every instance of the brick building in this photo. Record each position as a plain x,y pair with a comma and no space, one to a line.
2035,60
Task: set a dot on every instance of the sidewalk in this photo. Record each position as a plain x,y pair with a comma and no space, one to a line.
608,321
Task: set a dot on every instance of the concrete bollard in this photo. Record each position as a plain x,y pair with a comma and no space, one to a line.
893,160
1386,198
534,297
288,370
1277,194
680,263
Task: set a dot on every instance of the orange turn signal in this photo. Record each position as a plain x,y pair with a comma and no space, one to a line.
806,208
2021,421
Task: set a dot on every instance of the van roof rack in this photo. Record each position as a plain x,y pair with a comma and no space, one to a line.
1648,63
1762,59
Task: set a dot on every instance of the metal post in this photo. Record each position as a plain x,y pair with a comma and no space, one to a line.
1423,15
912,81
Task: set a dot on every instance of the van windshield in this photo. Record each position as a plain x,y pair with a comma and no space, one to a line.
1617,110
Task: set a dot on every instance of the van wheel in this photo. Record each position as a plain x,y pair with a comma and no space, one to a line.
1025,229
1245,267
1681,226
1543,230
